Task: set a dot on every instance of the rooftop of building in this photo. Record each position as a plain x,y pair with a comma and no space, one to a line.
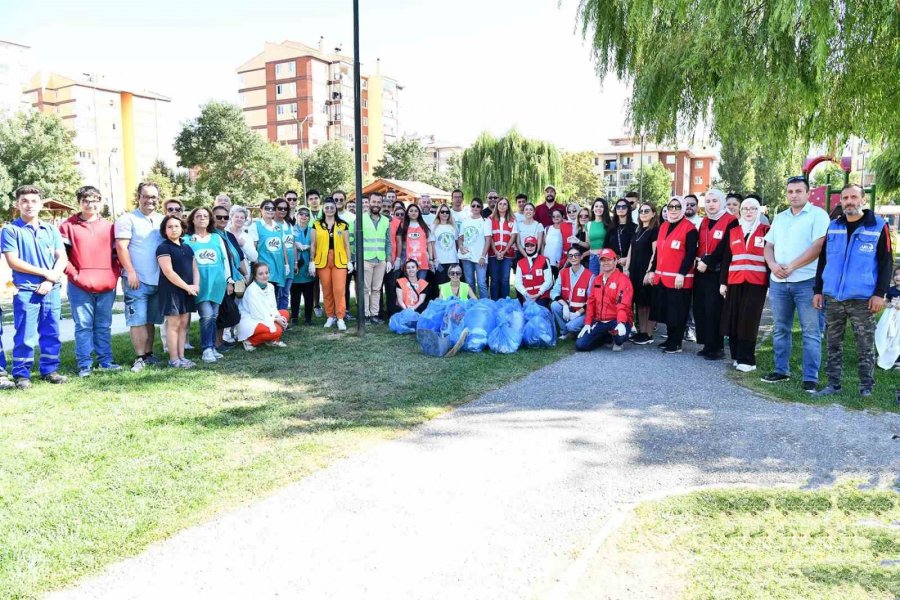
55,81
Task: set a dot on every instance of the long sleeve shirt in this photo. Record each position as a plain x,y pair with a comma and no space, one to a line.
883,257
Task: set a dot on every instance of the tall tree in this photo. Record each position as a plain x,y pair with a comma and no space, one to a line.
162,175
774,71
886,165
511,165
37,149
579,180
770,173
330,167
404,159
231,158
657,183
734,167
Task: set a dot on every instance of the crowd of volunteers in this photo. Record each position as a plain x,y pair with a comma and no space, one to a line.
607,274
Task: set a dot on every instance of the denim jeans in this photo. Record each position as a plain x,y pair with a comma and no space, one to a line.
208,312
471,270
92,313
784,298
283,295
601,333
36,319
499,269
594,264
573,326
2,351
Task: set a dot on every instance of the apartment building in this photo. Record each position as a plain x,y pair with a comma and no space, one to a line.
692,169
439,151
16,69
300,97
119,133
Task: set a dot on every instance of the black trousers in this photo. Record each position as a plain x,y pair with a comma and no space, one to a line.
743,351
708,311
305,290
350,278
390,293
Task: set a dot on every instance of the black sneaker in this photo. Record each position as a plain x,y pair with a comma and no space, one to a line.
23,383
675,350
702,352
714,355
774,377
810,387
151,360
295,321
642,339
54,378
663,344
865,392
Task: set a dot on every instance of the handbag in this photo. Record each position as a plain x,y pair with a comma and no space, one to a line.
229,313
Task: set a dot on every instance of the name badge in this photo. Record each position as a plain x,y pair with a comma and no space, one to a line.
579,292
527,277
759,242
676,244
612,286
539,272
717,235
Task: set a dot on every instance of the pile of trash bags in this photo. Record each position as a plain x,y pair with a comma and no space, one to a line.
503,326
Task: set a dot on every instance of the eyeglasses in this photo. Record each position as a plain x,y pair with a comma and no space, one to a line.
267,208
222,217
281,208
493,197
645,211
174,209
91,200
673,206
621,207
329,207
149,197
455,273
571,211
574,255
750,208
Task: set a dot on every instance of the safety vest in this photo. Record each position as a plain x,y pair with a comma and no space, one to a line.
535,274
408,293
712,233
851,265
446,292
670,253
567,230
374,237
575,294
501,232
340,251
748,263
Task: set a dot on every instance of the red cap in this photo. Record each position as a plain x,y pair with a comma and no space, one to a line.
530,240
608,253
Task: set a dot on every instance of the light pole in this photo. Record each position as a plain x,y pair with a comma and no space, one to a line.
357,143
112,204
302,157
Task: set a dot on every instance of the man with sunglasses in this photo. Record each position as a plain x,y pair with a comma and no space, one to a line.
376,232
291,196
492,197
173,206
570,295
632,198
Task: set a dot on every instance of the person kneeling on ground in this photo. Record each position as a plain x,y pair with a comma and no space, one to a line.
533,275
411,289
608,315
570,294
261,321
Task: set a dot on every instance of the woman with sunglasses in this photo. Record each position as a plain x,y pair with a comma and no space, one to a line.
302,285
411,289
282,207
473,244
330,249
553,242
455,287
621,232
413,241
502,248
596,232
266,237
445,254
638,268
676,248
215,277
569,226
581,236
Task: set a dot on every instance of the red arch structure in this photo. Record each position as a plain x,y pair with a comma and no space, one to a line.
825,196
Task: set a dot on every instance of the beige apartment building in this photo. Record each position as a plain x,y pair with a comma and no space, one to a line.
299,96
16,69
117,132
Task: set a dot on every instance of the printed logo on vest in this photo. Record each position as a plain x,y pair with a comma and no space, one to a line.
289,240
868,248
207,256
612,285
676,244
273,244
759,242
717,235
580,292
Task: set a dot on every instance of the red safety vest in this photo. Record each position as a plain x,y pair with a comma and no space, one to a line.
575,294
502,235
408,293
567,230
748,262
535,274
670,252
712,236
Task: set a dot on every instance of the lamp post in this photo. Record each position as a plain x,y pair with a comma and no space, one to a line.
357,143
112,204
302,157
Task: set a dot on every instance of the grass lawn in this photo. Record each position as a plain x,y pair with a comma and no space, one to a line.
886,382
97,469
774,544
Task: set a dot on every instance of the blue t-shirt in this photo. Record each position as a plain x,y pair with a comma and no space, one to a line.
36,245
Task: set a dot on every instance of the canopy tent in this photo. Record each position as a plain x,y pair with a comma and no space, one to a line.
407,191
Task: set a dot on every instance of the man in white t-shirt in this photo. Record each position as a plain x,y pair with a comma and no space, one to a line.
425,209
473,244
457,211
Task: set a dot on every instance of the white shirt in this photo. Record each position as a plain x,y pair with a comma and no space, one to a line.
445,244
473,232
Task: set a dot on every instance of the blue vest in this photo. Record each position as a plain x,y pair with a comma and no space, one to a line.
851,266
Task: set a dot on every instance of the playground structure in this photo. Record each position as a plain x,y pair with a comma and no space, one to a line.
826,196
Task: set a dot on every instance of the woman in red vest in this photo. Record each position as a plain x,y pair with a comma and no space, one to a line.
411,289
744,280
676,248
533,276
503,248
713,232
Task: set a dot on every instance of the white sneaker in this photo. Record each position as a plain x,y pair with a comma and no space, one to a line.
187,346
248,346
217,354
617,348
745,368
734,364
208,356
277,344
228,336
330,322
341,325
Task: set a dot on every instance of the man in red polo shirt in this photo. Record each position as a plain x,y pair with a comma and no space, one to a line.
543,213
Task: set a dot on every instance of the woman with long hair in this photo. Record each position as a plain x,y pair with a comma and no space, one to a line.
261,321
413,241
569,226
620,232
502,248
330,249
411,290
529,227
581,235
553,241
302,285
638,268
282,208
445,253
178,287
596,232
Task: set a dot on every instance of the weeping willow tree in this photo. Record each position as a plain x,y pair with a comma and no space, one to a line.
767,71
511,165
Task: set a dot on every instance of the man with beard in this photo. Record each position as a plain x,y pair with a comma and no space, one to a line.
376,250
690,210
543,214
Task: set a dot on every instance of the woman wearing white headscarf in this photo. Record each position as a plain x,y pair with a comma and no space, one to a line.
744,280
676,248
713,232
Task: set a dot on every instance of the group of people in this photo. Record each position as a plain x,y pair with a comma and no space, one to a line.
606,275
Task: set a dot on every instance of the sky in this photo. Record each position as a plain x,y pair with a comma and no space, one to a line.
466,66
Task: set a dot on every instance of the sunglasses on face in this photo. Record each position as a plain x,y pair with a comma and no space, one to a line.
222,217
493,197
572,211
673,206
474,206
455,273
329,207
268,208
621,207
399,213
173,209
281,208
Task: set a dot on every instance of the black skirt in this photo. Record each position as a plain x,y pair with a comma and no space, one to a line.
743,308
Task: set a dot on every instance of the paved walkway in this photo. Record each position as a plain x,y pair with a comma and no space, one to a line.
499,498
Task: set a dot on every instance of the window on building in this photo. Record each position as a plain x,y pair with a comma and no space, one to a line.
365,139
670,159
698,164
365,121
596,161
364,84
285,69
286,109
285,90
698,180
365,104
286,132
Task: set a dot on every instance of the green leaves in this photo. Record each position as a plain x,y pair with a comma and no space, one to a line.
579,182
511,165
329,167
657,183
404,159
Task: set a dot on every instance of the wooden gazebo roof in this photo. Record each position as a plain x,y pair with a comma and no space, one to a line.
407,191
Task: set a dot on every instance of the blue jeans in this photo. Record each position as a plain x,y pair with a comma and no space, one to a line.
573,326
283,295
601,333
471,270
594,264
92,313
2,351
208,312
784,298
36,319
499,269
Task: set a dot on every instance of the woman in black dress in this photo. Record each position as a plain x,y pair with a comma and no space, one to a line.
179,282
637,267
620,232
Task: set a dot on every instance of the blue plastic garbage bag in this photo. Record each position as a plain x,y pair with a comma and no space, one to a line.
507,335
454,319
480,320
430,334
539,330
404,322
432,317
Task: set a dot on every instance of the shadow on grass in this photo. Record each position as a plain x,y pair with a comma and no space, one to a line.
870,579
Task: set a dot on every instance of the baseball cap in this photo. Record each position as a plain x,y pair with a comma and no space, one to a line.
530,240
608,253
549,187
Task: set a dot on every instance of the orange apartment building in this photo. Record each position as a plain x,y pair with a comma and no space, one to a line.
299,96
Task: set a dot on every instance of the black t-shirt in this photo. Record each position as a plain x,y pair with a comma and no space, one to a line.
182,257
